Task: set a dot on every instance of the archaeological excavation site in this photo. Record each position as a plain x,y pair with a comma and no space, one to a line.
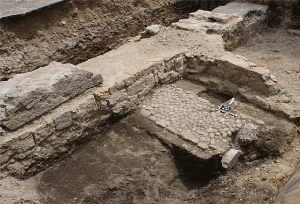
149,101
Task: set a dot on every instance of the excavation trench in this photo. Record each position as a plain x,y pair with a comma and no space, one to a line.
131,162
119,142
75,31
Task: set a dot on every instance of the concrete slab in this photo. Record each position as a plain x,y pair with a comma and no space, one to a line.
20,7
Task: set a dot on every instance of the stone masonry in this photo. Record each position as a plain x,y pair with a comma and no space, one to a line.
192,118
27,96
40,120
235,22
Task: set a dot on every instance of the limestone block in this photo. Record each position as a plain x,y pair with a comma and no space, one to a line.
212,16
168,77
230,158
29,95
117,97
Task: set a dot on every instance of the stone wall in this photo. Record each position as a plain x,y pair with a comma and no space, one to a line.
229,74
129,73
34,146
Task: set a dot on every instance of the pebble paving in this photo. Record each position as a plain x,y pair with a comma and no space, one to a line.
191,117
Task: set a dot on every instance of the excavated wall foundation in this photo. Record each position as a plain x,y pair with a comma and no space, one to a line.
41,123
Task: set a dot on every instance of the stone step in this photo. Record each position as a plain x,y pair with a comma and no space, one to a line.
29,95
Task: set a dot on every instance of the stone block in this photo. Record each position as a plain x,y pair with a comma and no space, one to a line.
23,145
117,97
168,77
44,131
4,158
247,134
230,158
16,169
63,121
151,31
140,85
29,95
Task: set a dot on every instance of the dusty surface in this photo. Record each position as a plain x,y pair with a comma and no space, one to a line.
15,7
126,165
76,31
279,51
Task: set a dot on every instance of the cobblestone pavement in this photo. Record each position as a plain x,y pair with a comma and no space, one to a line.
192,118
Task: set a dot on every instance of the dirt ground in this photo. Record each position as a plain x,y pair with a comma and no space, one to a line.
127,165
278,50
76,31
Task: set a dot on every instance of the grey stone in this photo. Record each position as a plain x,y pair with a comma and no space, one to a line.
172,130
243,9
144,83
29,95
213,147
203,145
44,131
4,158
23,145
152,118
3,116
191,137
161,123
16,169
145,113
151,31
2,132
117,97
230,158
63,121
247,134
